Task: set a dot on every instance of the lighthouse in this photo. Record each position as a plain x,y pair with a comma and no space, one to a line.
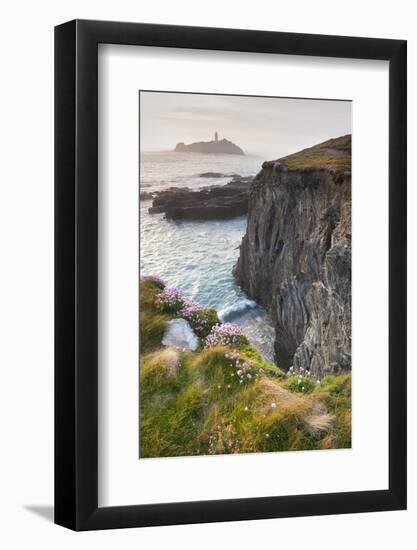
216,136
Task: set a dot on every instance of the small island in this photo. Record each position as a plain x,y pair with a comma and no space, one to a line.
215,147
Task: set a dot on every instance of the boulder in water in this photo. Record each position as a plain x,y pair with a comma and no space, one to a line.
179,334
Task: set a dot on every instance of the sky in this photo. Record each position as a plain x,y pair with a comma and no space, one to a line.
267,127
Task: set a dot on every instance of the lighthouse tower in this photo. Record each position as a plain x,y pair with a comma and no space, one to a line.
216,136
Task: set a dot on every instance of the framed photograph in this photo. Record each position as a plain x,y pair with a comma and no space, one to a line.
230,248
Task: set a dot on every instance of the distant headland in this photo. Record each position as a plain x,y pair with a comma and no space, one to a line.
216,147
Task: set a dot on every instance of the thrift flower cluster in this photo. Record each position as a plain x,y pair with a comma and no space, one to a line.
244,370
203,321
301,381
170,300
226,334
198,317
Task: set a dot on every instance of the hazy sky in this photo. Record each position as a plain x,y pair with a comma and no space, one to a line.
269,127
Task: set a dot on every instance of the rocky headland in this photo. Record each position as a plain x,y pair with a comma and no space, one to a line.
295,258
216,202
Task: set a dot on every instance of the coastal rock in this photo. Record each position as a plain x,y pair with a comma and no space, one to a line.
179,334
216,202
218,175
211,175
147,195
295,259
216,147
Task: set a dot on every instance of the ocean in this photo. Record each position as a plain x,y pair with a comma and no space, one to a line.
198,256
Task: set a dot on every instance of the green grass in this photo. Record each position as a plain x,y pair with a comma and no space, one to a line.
333,153
152,323
336,394
194,403
303,384
159,372
152,328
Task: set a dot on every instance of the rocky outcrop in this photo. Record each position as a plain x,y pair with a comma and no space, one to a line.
216,202
179,334
147,195
295,259
217,147
218,175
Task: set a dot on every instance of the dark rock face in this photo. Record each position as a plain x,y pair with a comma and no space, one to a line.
223,146
210,203
295,259
147,195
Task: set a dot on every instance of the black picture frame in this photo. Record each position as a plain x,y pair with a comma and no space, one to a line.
76,273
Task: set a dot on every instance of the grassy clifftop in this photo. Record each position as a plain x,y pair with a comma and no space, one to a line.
333,153
223,398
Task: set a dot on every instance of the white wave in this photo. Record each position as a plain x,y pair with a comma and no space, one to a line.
236,310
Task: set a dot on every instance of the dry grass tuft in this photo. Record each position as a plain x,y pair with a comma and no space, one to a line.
168,359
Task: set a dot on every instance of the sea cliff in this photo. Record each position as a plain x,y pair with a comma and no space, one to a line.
295,258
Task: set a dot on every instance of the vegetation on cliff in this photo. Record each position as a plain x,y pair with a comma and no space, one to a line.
223,398
333,153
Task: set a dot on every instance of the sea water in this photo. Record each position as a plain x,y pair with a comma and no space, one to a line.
198,256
